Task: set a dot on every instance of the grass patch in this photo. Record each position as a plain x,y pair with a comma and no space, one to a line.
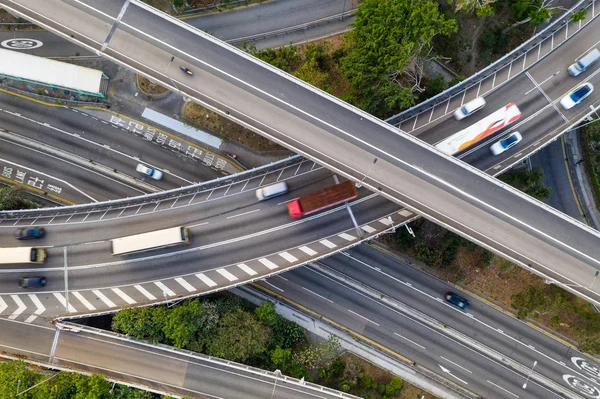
150,88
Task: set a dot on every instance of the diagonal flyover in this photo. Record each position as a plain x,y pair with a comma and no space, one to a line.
331,132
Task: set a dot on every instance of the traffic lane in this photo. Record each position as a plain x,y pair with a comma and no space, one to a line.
423,292
187,260
51,45
9,284
30,340
219,203
86,136
398,332
84,184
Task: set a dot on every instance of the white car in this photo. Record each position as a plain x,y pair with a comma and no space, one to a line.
577,96
153,173
469,108
508,142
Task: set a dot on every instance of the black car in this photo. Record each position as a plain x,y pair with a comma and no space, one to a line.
457,300
29,233
32,282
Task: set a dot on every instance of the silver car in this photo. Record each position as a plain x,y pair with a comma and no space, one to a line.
153,173
508,142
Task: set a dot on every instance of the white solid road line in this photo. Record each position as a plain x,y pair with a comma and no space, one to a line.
457,365
104,299
186,285
242,214
199,224
505,390
361,316
320,296
410,340
272,285
145,292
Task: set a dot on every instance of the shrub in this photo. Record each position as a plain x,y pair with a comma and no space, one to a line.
394,386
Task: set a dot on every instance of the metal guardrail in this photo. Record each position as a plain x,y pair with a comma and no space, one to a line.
152,198
483,74
294,28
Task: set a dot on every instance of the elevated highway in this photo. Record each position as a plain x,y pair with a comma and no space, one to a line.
340,137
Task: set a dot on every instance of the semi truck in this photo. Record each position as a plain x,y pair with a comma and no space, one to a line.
322,199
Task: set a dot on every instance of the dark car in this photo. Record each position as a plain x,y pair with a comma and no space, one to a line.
457,300
32,282
29,233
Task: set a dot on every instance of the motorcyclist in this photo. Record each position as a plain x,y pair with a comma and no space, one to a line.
186,70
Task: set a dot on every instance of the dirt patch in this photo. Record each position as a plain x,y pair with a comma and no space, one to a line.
384,377
201,118
148,87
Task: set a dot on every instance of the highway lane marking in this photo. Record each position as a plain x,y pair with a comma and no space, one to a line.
3,305
270,265
225,273
430,329
409,340
199,224
505,390
145,292
320,296
363,317
247,269
328,243
20,307
166,290
447,371
82,299
185,284
123,296
308,251
285,202
206,280
544,81
457,365
288,256
264,280
368,229
547,97
64,302
460,312
104,299
243,214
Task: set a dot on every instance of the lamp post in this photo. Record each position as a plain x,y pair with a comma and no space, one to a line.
529,375
595,277
277,374
359,184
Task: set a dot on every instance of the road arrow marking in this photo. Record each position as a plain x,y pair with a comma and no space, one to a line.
445,370
20,309
3,305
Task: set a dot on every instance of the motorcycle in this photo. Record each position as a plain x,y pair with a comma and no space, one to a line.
184,69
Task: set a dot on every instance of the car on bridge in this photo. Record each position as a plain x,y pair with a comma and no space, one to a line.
577,96
506,143
32,282
30,233
457,300
153,173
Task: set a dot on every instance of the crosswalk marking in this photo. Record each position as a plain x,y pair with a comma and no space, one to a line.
268,263
328,244
308,251
145,292
164,288
206,280
347,237
386,221
368,229
185,284
288,256
63,302
85,302
226,274
38,304
3,305
20,307
104,299
123,296
247,269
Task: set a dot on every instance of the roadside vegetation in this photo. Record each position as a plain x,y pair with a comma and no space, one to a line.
232,328
178,6
16,197
16,377
148,87
590,145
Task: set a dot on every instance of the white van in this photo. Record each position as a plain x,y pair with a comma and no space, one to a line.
469,108
271,191
584,62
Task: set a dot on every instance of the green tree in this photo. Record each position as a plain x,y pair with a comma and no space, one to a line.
14,198
141,323
281,358
389,39
320,356
239,336
191,324
531,182
579,15
394,387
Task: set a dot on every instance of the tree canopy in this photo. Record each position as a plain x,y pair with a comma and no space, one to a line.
386,51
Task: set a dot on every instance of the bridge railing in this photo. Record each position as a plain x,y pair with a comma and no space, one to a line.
155,197
485,73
